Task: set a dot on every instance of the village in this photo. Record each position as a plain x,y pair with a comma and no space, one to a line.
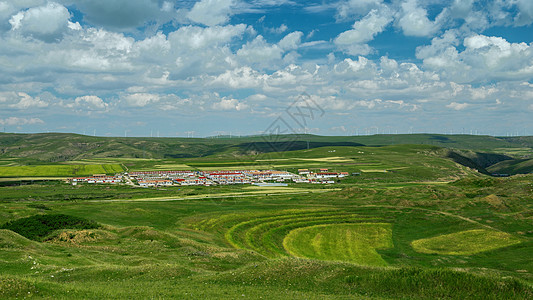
209,178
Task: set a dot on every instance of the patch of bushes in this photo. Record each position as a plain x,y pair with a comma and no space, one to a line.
39,206
37,227
477,182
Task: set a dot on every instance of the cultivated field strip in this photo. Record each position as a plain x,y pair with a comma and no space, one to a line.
264,233
354,242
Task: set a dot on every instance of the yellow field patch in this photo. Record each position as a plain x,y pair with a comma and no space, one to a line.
172,167
465,242
328,159
250,167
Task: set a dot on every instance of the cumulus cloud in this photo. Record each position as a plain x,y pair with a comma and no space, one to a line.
140,99
353,41
200,38
457,106
279,30
47,23
20,121
525,12
23,101
260,52
414,20
90,103
229,104
211,12
142,68
483,58
291,41
244,77
351,8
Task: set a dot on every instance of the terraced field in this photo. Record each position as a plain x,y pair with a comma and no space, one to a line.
347,236
264,233
343,242
357,235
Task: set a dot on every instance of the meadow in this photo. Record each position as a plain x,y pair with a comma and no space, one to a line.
59,170
415,225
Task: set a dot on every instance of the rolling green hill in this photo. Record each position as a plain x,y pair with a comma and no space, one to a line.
515,166
478,152
415,221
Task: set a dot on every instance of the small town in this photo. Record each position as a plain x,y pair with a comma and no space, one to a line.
209,178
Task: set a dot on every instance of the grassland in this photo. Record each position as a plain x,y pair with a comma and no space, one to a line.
424,227
59,170
465,242
341,242
56,147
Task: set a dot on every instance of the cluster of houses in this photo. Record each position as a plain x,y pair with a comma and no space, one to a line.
97,178
323,176
220,177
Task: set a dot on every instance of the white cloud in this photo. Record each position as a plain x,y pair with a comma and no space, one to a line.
244,77
257,97
47,23
260,52
279,30
229,104
483,92
525,13
352,41
351,8
483,58
291,41
26,101
90,102
211,12
20,121
457,106
200,38
414,20
140,99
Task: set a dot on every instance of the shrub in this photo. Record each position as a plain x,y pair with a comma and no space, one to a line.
37,227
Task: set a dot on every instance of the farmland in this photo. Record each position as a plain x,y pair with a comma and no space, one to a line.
58,170
414,224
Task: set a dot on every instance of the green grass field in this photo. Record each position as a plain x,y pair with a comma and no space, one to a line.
465,242
341,242
427,228
59,170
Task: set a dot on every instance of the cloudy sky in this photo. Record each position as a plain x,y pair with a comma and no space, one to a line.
173,67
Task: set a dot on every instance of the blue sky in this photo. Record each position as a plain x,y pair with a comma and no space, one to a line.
209,67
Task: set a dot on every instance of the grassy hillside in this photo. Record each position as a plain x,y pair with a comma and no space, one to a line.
63,147
59,170
515,166
469,239
418,222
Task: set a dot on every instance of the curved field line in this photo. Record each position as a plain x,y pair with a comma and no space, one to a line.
229,235
210,223
273,239
435,211
258,240
265,234
342,242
